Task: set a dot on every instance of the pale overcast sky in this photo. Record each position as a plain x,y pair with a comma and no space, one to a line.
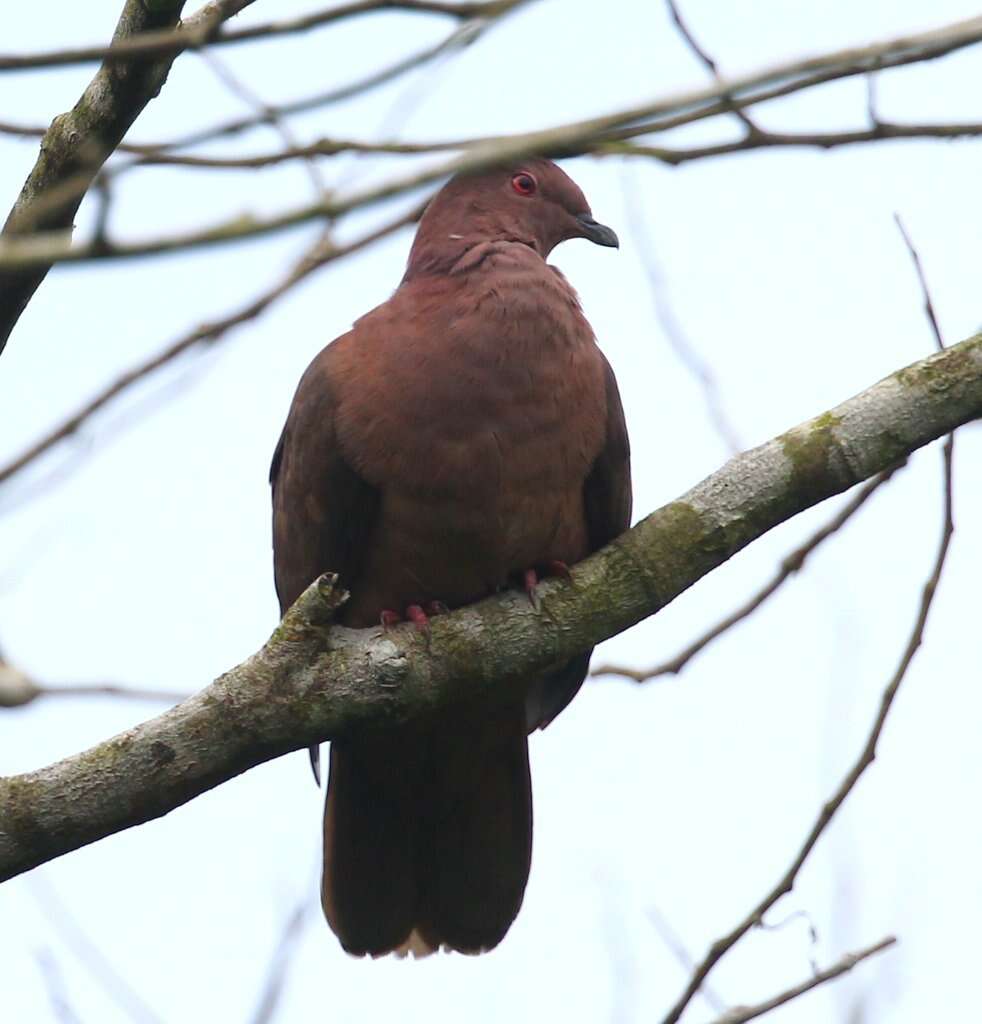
140,552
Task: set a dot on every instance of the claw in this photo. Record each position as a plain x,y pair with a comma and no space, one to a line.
389,618
315,762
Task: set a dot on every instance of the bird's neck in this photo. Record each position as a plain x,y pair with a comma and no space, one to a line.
442,248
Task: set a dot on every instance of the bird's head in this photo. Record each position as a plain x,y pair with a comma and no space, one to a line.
533,202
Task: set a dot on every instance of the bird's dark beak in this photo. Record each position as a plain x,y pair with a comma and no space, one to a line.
599,234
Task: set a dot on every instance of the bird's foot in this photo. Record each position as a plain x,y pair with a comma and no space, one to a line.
419,615
419,618
531,578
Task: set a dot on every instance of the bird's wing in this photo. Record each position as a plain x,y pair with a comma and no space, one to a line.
323,511
607,490
607,508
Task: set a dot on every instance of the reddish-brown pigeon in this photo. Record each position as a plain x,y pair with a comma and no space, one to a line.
464,435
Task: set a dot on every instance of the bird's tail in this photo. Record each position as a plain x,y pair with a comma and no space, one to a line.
428,836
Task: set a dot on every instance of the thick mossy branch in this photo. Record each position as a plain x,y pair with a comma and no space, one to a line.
312,681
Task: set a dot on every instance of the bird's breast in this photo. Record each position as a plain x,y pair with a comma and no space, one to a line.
479,433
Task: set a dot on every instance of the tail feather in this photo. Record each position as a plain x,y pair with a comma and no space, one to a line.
428,836
368,887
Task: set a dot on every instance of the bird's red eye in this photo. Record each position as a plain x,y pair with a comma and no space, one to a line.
524,184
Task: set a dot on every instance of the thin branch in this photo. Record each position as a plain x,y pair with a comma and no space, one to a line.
564,140
462,36
313,682
932,318
329,146
282,960
790,564
26,131
89,955
678,948
79,142
604,140
54,984
865,759
160,154
741,1014
882,132
17,689
680,344
320,147
265,114
710,64
169,44
322,253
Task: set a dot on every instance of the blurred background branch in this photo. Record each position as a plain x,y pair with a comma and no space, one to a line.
45,247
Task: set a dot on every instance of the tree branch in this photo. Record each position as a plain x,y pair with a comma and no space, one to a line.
741,1014
311,682
678,341
79,142
18,689
710,64
463,35
194,35
866,757
564,140
792,563
883,131
328,146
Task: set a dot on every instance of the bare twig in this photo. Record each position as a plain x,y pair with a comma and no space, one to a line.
17,689
194,36
319,147
925,291
328,146
462,36
708,61
54,985
883,132
26,131
89,955
564,140
790,564
161,153
321,254
266,114
678,948
282,959
680,344
741,1014
872,113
